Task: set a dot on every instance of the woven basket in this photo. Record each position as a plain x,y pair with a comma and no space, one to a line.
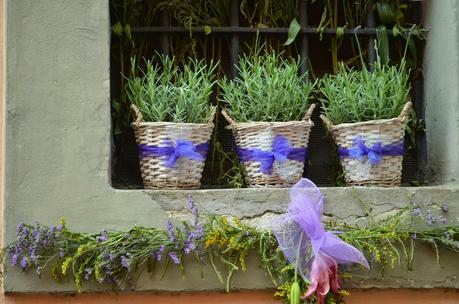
260,135
387,132
186,174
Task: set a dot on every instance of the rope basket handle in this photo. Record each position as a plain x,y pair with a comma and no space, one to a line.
228,118
405,114
307,116
137,115
327,122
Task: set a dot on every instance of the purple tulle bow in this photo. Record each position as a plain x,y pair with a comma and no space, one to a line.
303,239
182,148
374,153
281,151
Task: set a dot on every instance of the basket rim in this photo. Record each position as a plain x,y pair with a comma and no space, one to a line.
167,123
368,122
401,118
249,124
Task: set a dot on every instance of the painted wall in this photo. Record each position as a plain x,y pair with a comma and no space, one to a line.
49,134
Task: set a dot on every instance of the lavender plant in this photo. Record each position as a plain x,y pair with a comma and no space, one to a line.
268,89
360,95
166,93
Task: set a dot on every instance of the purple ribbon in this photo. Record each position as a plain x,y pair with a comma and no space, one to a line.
303,238
281,151
182,148
374,153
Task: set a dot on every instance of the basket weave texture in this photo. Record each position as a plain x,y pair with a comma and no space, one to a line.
260,135
388,132
186,173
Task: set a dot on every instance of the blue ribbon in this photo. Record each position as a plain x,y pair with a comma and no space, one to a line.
182,148
281,151
373,153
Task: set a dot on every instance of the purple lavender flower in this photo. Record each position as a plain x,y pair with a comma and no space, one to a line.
87,273
33,256
174,257
111,256
103,236
17,249
24,263
52,229
190,246
190,202
36,232
19,228
14,259
126,262
170,231
59,227
444,207
160,252
430,218
417,212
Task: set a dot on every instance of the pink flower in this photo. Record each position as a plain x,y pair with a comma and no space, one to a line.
324,274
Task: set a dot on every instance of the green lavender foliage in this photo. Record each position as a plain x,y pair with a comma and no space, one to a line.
360,95
165,92
268,89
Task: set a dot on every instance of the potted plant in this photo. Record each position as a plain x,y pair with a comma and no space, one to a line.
266,109
366,113
173,121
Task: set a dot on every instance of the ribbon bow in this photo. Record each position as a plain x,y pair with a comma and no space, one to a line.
182,148
374,153
315,252
281,151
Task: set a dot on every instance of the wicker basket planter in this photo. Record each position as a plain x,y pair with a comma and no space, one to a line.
172,155
272,153
371,152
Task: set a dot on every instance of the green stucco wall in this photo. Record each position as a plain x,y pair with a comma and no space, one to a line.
58,149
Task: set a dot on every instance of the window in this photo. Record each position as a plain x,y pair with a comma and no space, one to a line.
224,29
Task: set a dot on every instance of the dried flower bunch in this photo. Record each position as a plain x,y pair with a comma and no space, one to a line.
116,258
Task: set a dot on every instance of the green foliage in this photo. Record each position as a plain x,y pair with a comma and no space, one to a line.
167,93
268,89
360,95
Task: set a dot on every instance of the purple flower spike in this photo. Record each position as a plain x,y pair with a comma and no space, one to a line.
24,263
174,257
444,207
14,259
190,202
417,212
430,218
19,228
126,262
103,236
59,227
